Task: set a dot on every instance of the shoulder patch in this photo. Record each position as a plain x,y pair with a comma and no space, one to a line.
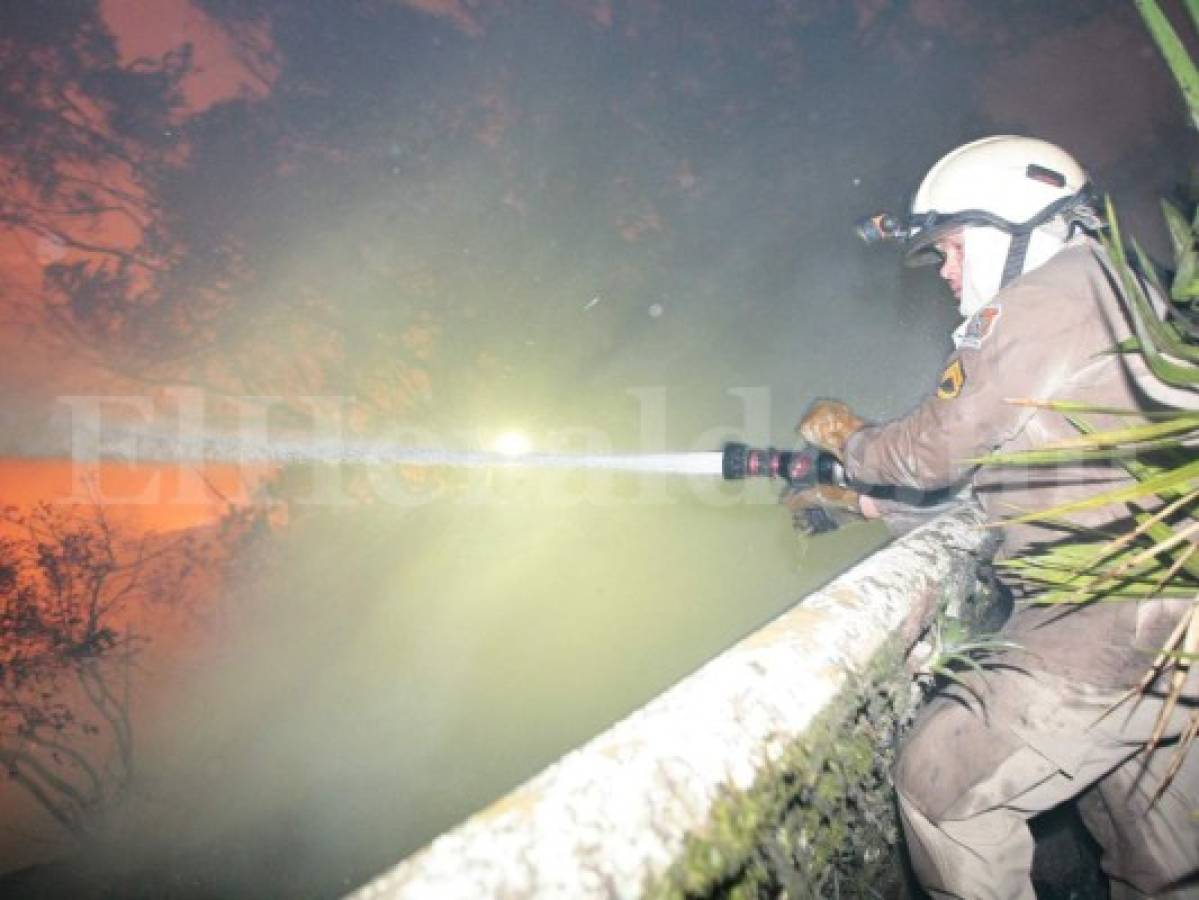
952,380
979,327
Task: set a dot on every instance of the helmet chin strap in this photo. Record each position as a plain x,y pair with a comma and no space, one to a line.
992,259
1017,253
1054,224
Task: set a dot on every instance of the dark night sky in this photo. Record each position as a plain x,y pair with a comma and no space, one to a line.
476,178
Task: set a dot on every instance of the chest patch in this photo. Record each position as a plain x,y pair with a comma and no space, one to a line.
979,328
952,380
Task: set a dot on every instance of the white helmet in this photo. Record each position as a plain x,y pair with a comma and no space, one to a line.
1017,200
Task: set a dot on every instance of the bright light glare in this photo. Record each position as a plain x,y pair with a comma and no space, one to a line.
512,443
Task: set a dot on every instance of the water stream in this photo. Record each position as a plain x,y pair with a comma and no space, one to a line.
145,447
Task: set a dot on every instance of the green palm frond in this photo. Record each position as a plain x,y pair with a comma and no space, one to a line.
1192,6
1056,457
1185,284
1175,333
1158,340
1073,406
1159,556
1184,478
1174,425
1174,51
1124,540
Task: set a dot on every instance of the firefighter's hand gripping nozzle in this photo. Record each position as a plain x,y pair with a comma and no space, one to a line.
799,468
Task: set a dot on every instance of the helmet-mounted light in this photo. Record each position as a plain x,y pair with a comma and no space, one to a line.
882,226
1028,190
919,232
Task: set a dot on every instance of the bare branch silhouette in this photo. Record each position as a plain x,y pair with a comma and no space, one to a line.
68,577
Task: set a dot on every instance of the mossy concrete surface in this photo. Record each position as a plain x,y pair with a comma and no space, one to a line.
760,773
819,822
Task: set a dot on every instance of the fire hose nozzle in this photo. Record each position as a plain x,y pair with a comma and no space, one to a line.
808,466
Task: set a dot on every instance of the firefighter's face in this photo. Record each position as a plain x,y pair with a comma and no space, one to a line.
952,250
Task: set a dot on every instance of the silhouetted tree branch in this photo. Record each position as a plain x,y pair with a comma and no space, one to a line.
67,580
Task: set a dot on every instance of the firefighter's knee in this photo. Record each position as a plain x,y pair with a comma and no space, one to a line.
951,749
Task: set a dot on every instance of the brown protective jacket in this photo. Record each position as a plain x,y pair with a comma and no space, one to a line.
1048,335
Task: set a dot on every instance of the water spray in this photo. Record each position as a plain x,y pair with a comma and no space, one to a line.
151,447
735,462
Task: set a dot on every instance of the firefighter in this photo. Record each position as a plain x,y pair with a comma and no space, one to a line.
1011,222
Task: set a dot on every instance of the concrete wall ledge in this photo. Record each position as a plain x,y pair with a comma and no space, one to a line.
612,816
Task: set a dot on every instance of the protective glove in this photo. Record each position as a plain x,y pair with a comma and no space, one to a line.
828,424
819,508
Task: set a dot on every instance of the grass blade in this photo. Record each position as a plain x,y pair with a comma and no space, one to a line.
1074,406
1179,424
1185,478
1174,52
